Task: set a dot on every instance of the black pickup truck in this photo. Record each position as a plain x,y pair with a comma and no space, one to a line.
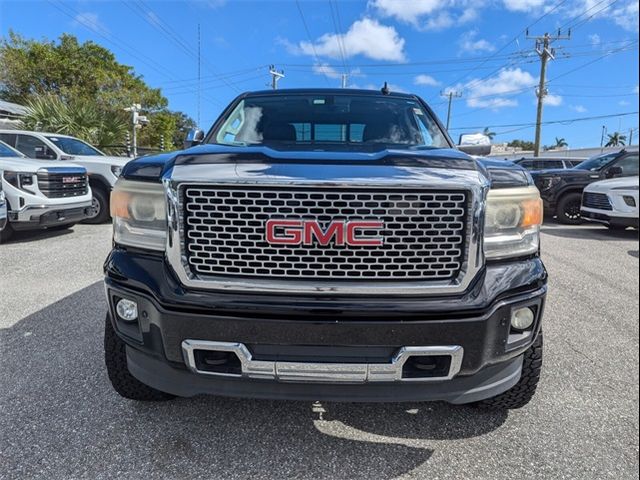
325,244
561,189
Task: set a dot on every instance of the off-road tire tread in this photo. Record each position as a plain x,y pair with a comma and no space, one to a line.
123,382
562,206
521,394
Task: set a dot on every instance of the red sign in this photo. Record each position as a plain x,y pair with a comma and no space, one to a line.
310,232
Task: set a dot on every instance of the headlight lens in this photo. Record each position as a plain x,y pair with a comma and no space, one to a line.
116,170
19,180
139,214
512,222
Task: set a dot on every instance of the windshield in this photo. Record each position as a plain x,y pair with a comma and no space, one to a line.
73,146
6,151
330,122
596,163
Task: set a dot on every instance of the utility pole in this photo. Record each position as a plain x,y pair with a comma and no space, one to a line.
546,53
275,76
199,77
451,94
344,80
137,121
604,132
630,136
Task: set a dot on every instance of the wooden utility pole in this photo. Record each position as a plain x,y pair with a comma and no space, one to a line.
546,53
275,76
451,94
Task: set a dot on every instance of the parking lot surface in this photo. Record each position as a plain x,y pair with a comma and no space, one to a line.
59,417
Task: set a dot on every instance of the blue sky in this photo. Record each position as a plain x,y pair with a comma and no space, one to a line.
476,47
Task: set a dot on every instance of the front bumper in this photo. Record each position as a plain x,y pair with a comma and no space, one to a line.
606,217
42,216
300,329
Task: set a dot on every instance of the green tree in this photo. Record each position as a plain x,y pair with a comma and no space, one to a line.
561,143
487,132
523,144
616,140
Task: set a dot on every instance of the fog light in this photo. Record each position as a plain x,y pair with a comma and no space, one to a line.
127,310
522,318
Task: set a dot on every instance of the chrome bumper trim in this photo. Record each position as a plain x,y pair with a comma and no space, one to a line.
302,372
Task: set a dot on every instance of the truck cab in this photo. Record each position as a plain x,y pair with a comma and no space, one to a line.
325,244
38,195
103,170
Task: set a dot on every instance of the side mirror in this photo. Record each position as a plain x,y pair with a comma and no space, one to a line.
613,172
44,153
194,137
474,144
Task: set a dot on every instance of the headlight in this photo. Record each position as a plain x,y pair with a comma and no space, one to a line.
116,170
18,180
139,214
548,183
512,222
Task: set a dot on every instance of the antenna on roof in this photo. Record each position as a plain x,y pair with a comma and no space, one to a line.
385,89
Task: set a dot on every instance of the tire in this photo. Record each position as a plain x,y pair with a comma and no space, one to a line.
521,394
6,233
568,210
100,205
125,384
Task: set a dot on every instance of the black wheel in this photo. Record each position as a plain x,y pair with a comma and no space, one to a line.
123,382
568,210
99,206
522,393
6,233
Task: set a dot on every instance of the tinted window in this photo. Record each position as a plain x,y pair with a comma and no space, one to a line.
8,138
528,164
553,164
73,146
28,144
596,163
629,165
330,121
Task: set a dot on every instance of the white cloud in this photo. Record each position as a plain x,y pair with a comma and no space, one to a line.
623,103
578,108
594,39
326,70
91,21
553,100
523,5
429,15
636,90
426,80
470,44
365,37
626,16
494,92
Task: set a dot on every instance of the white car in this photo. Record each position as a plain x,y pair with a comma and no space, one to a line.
103,170
613,203
40,194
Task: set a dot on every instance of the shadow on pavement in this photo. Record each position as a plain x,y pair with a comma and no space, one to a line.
27,236
60,419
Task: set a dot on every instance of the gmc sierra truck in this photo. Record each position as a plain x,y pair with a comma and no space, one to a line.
325,244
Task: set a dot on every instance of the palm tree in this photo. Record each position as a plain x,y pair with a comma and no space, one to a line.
561,143
616,140
487,132
79,118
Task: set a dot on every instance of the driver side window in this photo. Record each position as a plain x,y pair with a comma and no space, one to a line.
629,165
30,146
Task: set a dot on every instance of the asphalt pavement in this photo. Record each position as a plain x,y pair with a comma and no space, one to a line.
59,417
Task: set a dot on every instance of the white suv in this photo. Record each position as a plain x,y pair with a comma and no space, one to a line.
40,194
613,203
103,170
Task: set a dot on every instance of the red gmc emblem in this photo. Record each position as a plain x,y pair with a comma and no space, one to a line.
71,179
310,232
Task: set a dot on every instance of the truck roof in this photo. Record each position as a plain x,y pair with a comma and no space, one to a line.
327,91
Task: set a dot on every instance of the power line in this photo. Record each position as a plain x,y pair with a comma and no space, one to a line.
313,47
550,122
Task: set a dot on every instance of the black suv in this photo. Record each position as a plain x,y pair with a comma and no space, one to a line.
548,163
561,189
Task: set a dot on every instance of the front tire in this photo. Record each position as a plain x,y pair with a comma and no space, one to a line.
99,206
521,394
568,210
125,384
6,233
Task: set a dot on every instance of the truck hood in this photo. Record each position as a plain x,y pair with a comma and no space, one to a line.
100,160
30,165
225,162
605,185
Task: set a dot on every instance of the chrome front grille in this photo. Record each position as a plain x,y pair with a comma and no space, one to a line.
599,201
424,235
63,185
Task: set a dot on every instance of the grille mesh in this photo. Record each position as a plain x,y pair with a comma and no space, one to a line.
59,185
424,233
598,201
